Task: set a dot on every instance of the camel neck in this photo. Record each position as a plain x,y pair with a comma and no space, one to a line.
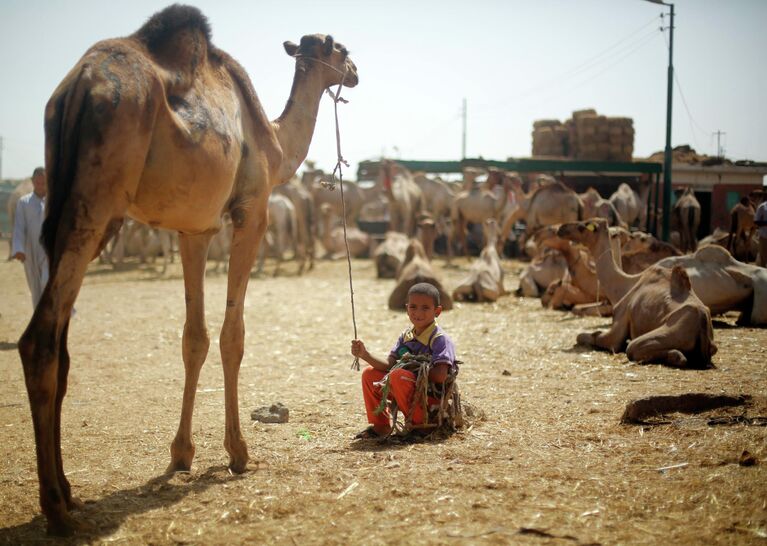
614,281
295,126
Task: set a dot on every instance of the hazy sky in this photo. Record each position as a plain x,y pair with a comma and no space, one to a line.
513,61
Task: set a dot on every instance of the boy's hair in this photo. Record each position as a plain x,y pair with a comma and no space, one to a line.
427,290
38,170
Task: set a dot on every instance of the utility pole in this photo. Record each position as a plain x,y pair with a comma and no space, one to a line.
667,153
719,151
463,141
1,159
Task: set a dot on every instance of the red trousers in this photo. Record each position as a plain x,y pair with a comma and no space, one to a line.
401,390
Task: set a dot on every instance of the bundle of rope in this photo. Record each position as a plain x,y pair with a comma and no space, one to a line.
449,412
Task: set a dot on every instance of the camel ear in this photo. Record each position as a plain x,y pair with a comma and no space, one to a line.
327,47
290,48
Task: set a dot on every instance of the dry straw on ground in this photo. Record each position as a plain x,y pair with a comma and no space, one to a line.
550,463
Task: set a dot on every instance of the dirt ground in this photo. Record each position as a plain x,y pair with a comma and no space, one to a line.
549,464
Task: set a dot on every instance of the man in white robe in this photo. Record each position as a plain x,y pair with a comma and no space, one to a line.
30,213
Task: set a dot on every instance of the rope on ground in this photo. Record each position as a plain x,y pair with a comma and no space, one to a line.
338,169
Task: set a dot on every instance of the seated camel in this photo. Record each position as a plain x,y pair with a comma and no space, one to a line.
416,268
641,250
333,237
484,281
580,285
721,282
389,254
660,319
546,268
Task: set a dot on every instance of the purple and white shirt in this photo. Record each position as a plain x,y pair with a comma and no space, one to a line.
432,341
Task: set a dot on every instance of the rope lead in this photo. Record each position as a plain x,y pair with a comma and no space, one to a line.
338,168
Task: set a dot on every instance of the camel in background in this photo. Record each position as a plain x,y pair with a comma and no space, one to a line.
552,203
416,268
137,239
484,282
389,254
437,201
404,196
596,206
306,220
546,268
281,233
632,205
332,237
317,183
124,136
476,205
687,214
742,227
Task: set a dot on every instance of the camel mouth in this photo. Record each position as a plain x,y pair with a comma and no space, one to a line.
351,79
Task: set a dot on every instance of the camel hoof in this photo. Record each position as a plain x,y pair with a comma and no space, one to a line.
178,466
238,467
65,525
75,504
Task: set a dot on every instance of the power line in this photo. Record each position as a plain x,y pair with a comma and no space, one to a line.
591,63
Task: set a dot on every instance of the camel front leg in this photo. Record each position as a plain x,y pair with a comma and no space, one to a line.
613,339
245,242
195,343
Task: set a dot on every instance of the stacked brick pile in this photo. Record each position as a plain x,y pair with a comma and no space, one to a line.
587,135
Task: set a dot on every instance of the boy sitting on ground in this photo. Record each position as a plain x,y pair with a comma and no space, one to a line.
424,337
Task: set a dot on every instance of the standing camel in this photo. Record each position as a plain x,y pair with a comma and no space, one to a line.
404,196
742,226
687,213
166,128
476,205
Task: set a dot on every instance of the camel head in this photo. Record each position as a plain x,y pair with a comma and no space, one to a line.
331,58
586,233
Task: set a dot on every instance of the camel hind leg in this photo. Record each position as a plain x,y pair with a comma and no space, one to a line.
92,169
45,359
658,345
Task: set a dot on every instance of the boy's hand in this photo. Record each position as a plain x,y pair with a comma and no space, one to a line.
358,349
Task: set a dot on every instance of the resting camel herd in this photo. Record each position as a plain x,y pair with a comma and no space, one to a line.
160,123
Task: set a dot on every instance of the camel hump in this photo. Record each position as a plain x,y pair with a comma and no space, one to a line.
174,32
714,253
680,281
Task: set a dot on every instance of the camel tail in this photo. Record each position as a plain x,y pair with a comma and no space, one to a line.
63,117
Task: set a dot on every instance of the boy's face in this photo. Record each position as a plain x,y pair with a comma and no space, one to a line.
421,310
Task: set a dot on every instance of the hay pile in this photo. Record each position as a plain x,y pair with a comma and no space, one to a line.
587,135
